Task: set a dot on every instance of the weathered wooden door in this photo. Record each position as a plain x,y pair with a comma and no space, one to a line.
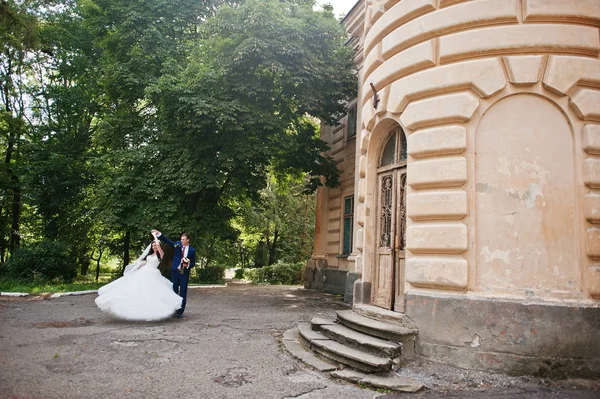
388,276
384,272
400,242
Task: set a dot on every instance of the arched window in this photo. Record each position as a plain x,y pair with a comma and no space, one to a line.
394,151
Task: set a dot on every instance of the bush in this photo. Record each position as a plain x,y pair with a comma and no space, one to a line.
239,274
42,261
210,275
280,273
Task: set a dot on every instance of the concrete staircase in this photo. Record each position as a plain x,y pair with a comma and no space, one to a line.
363,345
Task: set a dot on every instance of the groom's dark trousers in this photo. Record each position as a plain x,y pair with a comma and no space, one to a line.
180,286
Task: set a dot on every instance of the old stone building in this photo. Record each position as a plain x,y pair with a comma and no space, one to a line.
470,195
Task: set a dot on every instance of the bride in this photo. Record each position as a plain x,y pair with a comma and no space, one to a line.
142,293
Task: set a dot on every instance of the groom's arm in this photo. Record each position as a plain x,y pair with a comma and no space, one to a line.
193,258
164,239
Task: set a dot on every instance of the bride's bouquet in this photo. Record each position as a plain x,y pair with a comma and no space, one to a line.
184,264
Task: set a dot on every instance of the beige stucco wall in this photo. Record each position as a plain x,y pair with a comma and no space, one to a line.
329,234
500,101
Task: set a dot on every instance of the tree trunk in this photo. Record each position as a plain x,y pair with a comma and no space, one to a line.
98,265
273,248
15,237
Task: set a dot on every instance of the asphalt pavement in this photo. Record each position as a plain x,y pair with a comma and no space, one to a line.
228,345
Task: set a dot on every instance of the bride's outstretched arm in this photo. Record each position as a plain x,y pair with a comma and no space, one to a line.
160,250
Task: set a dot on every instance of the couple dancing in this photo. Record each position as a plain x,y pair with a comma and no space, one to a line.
142,293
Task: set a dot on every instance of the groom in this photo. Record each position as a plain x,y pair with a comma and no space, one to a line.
184,258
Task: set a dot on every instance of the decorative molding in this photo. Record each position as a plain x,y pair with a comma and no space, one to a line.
437,172
591,138
447,238
592,206
437,205
451,19
591,172
449,108
593,242
449,272
586,11
561,78
524,69
399,14
586,104
411,60
485,77
436,141
575,39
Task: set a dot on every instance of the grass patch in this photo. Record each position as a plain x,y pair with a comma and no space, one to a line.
81,283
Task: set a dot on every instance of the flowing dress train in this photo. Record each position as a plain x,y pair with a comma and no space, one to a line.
142,295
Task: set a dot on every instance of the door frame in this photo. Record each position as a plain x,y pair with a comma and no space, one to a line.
395,274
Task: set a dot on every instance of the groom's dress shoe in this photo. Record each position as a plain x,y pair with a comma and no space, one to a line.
178,315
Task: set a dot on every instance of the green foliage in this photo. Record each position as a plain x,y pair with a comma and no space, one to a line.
281,273
239,274
280,224
119,116
209,275
41,261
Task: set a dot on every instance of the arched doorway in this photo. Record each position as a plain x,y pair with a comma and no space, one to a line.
388,282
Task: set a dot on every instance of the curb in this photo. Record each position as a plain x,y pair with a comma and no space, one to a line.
208,286
59,294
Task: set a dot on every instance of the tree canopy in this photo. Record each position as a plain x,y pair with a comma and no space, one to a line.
123,115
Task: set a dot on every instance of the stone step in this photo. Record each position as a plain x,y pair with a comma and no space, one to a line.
385,315
317,322
364,342
376,328
385,380
291,342
343,354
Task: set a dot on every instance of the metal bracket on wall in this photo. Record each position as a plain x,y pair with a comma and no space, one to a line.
375,96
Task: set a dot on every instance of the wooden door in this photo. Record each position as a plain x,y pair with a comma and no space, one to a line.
383,284
400,242
388,273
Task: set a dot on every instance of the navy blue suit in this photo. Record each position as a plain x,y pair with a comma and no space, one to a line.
180,280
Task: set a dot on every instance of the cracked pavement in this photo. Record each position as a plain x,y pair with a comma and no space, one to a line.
227,346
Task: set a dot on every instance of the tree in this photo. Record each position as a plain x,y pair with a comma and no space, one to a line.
279,225
240,104
135,40
119,116
19,38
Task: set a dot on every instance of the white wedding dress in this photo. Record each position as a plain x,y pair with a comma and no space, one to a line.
142,294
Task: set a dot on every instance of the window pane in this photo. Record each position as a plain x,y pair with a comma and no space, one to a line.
389,152
387,186
348,205
348,234
352,121
402,146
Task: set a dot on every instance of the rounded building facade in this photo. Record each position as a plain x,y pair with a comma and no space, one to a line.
477,179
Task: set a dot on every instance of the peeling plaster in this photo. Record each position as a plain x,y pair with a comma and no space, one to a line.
504,256
532,170
528,197
531,194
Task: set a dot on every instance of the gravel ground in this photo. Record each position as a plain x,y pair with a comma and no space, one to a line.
227,346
